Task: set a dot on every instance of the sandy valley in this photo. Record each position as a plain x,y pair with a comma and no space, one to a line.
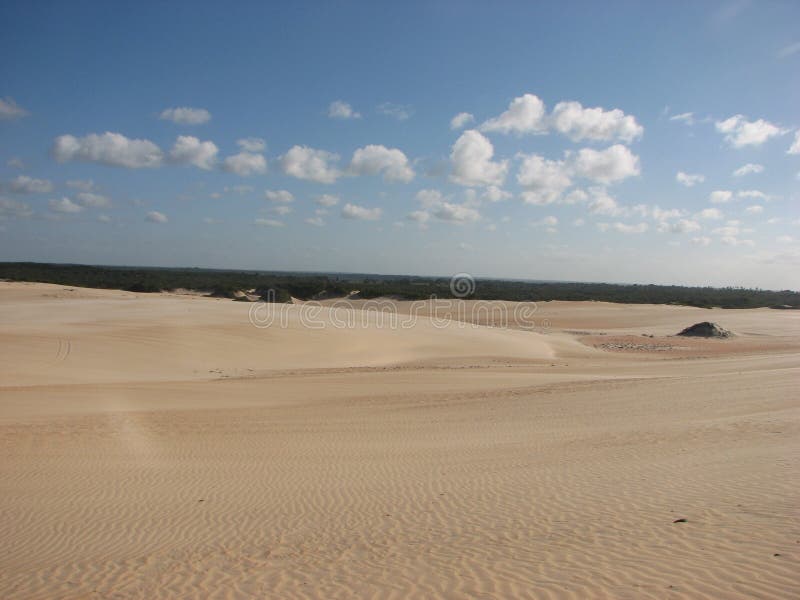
161,445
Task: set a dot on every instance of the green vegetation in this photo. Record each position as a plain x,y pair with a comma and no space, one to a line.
223,283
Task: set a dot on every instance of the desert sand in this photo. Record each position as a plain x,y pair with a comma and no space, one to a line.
161,445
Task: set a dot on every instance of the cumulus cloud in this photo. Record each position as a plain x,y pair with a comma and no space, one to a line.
601,203
789,50
755,209
316,221
10,110
752,194
461,120
189,150
543,180
65,205
720,196
282,210
374,159
714,214
689,180
327,200
245,164
624,227
701,240
456,213
748,169
13,208
284,196
419,216
93,200
155,217
252,144
525,114
361,213
113,149
579,123
15,163
739,132
22,184
471,160
680,226
795,147
268,223
339,109
401,112
495,194
606,166
303,162
184,115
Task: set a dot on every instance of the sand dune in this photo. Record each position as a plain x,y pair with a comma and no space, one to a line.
163,446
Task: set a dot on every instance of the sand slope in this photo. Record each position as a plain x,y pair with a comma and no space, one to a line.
161,446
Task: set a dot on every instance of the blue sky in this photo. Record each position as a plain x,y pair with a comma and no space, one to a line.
631,142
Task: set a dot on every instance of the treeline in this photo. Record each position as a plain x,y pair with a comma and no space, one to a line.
280,287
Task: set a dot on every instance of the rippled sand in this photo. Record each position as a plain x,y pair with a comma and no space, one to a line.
162,446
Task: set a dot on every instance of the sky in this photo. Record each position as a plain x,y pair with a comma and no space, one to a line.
638,142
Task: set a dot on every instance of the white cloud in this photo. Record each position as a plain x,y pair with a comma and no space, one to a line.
784,239
156,217
461,120
374,159
687,118
303,162
22,184
419,216
327,200
755,209
252,144
238,189
65,205
339,109
701,240
245,163
284,196
189,150
689,180
316,221
627,228
752,194
525,114
471,159
579,123
93,200
113,149
184,115
713,214
720,196
354,211
15,163
10,110
495,194
103,219
396,111
12,208
739,132
456,213
579,222
681,226
734,241
282,210
795,147
603,204
543,180
747,169
430,198
606,166
268,223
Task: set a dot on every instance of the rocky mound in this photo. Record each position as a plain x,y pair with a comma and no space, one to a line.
706,329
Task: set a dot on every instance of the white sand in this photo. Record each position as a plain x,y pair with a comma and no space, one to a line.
162,446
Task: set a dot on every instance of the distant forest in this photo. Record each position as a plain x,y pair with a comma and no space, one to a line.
308,286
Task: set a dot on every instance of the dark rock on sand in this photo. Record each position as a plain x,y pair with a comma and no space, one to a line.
706,329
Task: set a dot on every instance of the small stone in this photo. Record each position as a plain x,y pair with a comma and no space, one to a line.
681,520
